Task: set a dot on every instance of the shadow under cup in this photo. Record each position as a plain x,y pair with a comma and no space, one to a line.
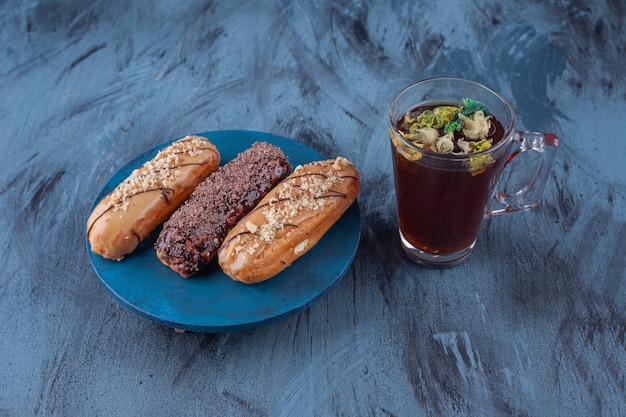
442,198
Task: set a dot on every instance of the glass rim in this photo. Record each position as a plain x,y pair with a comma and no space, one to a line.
452,157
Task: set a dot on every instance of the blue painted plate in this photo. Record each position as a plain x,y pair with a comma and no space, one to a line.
211,301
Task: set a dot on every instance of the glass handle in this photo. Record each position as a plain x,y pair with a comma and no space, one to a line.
544,147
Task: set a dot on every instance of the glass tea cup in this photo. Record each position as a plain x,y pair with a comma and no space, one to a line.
444,192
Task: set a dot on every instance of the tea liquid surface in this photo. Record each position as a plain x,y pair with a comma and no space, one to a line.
440,210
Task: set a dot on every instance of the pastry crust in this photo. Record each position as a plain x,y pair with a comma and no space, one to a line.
290,220
151,193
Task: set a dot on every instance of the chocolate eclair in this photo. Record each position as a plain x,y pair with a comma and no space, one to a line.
191,237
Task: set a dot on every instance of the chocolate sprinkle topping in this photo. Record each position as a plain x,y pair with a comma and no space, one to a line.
193,234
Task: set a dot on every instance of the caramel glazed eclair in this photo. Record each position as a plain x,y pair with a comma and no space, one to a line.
127,215
190,238
290,220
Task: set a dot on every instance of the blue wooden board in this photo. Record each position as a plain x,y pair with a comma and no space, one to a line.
211,301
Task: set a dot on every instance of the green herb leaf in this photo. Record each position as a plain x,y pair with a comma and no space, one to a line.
470,106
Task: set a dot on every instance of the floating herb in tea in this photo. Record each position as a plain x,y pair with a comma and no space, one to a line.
457,129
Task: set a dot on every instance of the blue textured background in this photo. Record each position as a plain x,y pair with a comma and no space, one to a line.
533,324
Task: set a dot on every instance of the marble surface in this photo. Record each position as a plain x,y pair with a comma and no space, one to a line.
532,324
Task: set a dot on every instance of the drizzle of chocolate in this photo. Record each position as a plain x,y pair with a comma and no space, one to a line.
337,193
250,233
215,152
164,194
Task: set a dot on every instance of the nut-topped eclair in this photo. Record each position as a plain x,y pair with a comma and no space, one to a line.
127,215
290,220
190,238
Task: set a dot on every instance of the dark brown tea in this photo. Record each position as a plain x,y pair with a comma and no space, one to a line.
442,196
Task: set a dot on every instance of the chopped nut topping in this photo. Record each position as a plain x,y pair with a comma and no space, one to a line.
299,192
252,228
159,172
301,246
